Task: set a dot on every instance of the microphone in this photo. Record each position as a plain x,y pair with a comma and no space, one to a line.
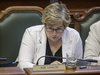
50,57
3,59
89,60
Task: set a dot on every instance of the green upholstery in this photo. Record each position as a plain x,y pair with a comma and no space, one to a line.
12,27
85,25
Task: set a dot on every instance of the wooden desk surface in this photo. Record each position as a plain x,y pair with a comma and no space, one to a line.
11,71
93,70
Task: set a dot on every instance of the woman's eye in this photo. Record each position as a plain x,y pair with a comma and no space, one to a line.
50,28
59,29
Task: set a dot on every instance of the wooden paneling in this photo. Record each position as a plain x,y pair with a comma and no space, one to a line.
6,3
72,5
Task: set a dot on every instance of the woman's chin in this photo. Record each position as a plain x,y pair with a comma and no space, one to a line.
54,39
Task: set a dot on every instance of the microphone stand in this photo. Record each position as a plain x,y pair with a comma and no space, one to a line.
89,60
50,57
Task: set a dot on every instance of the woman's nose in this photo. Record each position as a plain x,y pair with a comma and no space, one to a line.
54,32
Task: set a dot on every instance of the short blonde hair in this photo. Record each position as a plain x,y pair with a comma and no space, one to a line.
56,12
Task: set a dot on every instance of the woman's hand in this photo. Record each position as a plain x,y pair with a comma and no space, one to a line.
55,63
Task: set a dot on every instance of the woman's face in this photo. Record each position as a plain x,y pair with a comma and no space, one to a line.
54,32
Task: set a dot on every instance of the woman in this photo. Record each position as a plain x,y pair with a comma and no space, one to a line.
53,38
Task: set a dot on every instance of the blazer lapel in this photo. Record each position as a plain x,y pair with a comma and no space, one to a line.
41,47
66,44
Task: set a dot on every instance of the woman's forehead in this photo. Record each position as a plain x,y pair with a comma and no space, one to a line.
56,24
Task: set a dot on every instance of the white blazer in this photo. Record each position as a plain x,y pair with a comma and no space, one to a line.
33,45
92,43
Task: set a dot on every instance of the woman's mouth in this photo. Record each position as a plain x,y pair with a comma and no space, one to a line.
54,37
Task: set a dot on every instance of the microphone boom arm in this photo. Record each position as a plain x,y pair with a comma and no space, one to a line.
89,60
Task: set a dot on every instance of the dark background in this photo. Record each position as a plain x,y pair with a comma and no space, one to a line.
71,4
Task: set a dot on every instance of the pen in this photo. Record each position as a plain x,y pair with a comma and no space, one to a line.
3,59
82,67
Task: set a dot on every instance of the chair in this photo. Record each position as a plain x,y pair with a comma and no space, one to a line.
13,22
83,22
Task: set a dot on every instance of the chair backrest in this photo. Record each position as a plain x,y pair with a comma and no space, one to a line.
84,22
13,22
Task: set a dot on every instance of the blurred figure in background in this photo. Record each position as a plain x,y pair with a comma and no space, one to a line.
92,43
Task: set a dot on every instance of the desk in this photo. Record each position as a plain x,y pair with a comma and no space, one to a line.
94,70
11,71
